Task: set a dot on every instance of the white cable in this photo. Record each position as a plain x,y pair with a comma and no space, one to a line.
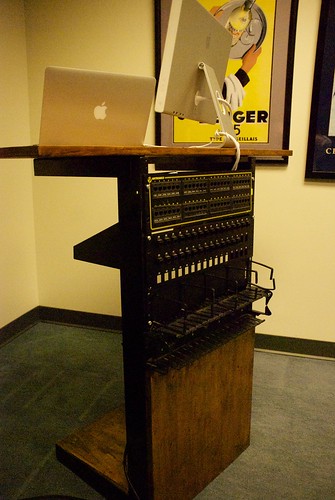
218,133
225,103
238,151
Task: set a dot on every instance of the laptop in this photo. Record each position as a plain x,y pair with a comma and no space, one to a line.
94,108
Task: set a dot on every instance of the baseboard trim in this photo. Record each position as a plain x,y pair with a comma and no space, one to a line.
19,325
79,318
61,316
108,322
304,347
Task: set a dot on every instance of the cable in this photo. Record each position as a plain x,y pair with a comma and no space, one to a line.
125,468
223,101
219,133
237,146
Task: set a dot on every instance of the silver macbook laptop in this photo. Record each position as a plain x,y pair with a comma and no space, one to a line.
93,108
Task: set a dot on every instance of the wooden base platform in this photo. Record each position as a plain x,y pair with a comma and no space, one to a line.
95,454
199,424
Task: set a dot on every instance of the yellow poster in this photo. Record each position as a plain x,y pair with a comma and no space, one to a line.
252,53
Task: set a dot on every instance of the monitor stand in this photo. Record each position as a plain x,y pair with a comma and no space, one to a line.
222,109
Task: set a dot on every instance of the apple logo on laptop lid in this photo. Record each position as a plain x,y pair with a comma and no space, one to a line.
100,111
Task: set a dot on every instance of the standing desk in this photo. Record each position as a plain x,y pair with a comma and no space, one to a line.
187,416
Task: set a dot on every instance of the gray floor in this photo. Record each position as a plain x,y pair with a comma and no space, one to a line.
54,379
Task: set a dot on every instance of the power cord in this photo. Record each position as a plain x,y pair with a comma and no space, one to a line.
126,472
219,133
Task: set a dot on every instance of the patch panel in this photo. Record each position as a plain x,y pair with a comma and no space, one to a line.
194,198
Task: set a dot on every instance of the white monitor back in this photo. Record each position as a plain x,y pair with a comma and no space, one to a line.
193,36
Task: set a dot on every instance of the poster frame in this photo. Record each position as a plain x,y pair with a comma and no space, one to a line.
320,161
281,81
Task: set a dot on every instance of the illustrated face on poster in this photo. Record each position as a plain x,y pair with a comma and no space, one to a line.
252,51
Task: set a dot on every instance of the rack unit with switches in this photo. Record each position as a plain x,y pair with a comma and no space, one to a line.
198,247
198,243
196,222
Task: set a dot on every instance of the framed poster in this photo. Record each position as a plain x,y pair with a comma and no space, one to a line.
320,162
263,119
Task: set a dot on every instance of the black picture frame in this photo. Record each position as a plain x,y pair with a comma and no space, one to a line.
320,162
281,78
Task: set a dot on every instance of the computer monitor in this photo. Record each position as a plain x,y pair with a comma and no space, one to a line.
193,68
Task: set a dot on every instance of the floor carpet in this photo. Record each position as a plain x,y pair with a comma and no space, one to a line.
55,378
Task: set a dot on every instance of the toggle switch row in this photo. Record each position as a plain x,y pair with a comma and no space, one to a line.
203,230
174,272
201,247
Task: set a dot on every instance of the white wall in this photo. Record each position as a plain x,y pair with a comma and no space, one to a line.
294,219
18,291
104,35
